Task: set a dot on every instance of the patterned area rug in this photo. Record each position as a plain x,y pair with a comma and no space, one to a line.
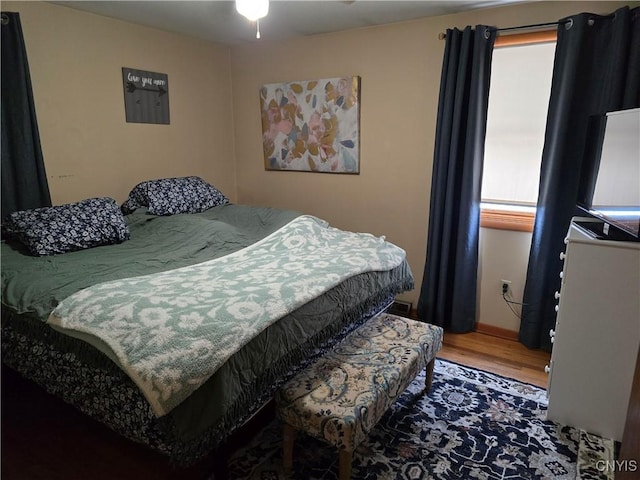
472,424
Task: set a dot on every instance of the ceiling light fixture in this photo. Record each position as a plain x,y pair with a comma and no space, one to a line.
254,10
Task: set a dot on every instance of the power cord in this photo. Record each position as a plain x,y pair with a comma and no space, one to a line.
506,296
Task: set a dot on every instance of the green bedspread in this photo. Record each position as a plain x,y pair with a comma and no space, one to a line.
170,331
36,285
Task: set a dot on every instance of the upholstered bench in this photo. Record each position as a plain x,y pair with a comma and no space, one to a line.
341,396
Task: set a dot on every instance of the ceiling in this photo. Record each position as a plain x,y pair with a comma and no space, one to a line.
217,20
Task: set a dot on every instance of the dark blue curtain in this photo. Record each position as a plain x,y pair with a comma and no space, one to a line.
448,292
596,70
24,181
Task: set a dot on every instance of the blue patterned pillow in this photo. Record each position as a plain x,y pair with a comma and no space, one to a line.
169,196
65,228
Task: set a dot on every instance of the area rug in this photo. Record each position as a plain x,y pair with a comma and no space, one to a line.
471,425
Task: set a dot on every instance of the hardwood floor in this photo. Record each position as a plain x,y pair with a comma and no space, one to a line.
493,354
45,439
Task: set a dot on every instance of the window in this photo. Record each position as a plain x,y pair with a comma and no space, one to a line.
521,72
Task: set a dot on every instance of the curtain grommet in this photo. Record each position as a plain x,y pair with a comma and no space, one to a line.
4,19
568,24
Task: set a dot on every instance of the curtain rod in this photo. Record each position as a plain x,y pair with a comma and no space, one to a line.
442,35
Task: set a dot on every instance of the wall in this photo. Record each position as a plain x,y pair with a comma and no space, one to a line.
76,62
504,254
76,59
400,67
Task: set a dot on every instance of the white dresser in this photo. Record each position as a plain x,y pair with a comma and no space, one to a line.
597,334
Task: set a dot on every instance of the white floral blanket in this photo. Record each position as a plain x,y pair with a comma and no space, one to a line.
171,331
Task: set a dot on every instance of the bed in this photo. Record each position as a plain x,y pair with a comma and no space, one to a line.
55,332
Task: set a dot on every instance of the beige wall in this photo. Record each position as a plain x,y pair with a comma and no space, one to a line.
400,68
504,255
76,61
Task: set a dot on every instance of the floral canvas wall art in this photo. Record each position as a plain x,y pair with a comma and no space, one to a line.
312,126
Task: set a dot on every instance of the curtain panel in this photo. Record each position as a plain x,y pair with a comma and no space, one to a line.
449,287
596,70
24,180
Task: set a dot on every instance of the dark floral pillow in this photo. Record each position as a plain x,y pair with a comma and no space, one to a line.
65,228
169,196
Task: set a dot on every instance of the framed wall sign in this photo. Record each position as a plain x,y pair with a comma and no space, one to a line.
146,96
312,126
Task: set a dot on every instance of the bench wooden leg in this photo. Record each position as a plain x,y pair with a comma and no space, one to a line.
428,376
344,464
289,437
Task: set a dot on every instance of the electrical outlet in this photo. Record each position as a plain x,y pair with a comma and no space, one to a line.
505,285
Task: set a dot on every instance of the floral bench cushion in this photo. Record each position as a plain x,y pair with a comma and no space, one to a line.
342,395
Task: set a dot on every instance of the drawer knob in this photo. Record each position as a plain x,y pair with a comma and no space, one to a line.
547,369
563,255
552,333
557,295
561,274
557,308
